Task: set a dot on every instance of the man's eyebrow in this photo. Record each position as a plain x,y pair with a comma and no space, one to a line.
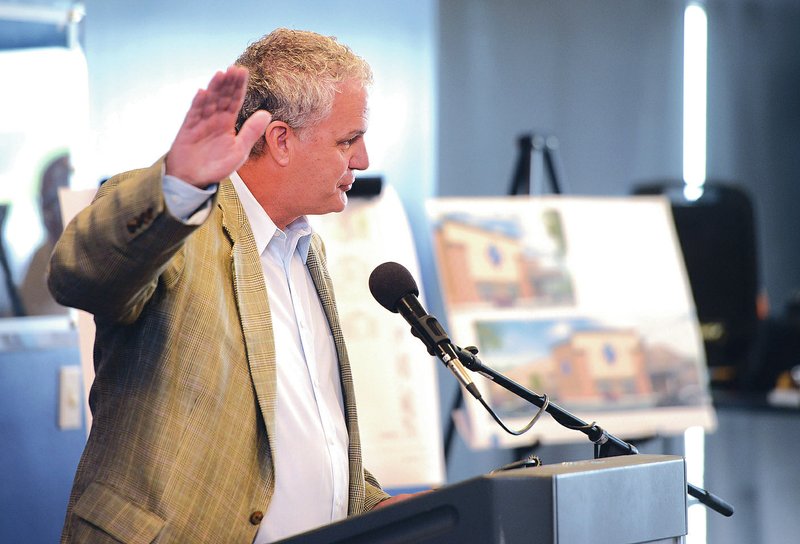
353,134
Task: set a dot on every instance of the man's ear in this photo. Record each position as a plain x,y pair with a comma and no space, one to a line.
277,136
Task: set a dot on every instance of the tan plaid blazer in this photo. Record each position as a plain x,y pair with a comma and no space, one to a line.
183,400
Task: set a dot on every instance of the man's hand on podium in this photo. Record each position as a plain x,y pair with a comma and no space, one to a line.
394,499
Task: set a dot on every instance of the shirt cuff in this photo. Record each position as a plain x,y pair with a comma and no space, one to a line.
186,202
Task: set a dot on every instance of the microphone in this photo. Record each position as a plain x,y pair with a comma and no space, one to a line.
395,289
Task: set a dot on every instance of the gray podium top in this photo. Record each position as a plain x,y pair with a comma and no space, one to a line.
619,500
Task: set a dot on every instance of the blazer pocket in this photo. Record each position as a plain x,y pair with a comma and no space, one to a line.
110,512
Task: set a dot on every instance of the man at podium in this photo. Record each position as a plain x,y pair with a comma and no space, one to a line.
223,406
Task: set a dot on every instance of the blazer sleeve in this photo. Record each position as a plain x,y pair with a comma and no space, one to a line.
111,254
373,494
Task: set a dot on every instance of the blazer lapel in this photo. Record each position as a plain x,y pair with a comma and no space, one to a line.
322,281
252,303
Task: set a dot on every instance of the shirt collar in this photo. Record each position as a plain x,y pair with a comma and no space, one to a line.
264,228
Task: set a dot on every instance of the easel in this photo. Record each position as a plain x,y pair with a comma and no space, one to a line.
536,152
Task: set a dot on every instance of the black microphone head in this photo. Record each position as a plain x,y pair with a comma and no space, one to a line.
389,283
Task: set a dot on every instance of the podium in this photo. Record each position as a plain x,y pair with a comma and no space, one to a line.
616,500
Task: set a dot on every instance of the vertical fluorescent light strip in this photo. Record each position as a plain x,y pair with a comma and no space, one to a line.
694,452
695,48
695,53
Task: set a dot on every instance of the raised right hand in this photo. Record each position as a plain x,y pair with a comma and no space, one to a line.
206,148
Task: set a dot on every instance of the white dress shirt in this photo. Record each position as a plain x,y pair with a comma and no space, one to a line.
311,441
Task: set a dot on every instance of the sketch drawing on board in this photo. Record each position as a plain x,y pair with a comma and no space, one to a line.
585,300
502,262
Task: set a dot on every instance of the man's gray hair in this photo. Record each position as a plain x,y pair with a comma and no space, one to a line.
295,75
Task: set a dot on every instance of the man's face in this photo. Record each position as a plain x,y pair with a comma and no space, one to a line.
327,155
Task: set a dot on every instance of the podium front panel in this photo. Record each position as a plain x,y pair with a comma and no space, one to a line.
619,500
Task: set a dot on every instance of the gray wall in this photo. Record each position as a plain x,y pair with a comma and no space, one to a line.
751,462
754,124
604,77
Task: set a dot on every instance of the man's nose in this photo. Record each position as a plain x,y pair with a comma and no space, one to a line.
360,158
